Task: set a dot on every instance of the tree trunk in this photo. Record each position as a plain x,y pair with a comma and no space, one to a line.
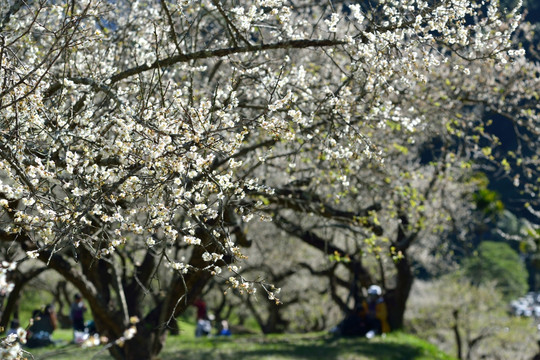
98,280
404,277
146,344
152,329
20,280
396,299
10,306
61,298
275,324
173,327
457,334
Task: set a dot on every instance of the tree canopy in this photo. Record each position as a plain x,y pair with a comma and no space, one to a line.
499,263
138,138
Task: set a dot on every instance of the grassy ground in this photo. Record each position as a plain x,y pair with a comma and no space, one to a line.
307,346
396,346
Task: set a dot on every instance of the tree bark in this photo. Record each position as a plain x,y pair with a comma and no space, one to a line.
152,329
62,298
396,299
457,334
20,280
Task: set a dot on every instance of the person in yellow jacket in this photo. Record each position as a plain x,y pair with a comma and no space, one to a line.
374,312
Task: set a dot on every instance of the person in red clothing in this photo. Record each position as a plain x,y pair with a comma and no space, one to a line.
201,308
203,322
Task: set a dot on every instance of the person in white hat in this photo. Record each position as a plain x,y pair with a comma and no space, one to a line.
374,312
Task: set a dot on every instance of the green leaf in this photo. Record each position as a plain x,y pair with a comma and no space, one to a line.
401,148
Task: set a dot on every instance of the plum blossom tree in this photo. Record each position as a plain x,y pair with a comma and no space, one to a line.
138,137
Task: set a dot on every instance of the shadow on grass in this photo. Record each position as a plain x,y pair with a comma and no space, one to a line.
322,347
67,352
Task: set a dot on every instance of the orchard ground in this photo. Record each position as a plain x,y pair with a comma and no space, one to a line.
275,347
314,345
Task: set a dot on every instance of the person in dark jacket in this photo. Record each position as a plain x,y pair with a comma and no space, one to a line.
43,324
77,313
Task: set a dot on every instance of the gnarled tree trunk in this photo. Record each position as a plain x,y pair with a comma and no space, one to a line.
20,280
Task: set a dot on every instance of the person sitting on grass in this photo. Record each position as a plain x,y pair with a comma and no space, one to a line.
43,324
367,319
374,313
225,331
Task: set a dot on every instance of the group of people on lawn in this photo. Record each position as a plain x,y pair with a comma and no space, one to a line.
369,319
44,322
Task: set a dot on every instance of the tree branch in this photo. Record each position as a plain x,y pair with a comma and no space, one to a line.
205,54
301,200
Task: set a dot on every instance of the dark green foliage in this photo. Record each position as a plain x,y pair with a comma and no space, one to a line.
498,262
488,201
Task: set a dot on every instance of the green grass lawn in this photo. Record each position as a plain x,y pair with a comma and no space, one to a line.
395,346
307,346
